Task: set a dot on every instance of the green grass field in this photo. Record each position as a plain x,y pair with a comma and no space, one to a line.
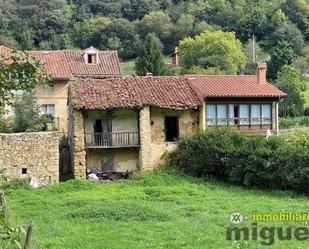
127,67
155,210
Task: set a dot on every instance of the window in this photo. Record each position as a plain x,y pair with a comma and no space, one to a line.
24,171
255,114
92,58
171,129
266,114
244,114
211,115
48,109
238,114
222,114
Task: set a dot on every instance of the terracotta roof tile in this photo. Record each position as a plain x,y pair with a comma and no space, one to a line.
232,86
133,92
5,51
166,92
64,64
54,62
108,64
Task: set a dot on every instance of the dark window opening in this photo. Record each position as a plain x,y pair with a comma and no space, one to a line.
236,114
171,129
98,128
92,59
24,171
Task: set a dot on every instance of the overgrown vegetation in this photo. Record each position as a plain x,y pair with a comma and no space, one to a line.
11,237
26,116
164,209
216,52
225,154
289,82
294,122
19,72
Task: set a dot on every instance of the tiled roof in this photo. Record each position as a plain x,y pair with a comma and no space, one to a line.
232,86
108,64
64,64
5,51
172,92
55,63
133,92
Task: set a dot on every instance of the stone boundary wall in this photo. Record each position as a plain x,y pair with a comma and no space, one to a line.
24,155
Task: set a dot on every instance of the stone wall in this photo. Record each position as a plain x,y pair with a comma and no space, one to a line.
35,154
77,144
152,133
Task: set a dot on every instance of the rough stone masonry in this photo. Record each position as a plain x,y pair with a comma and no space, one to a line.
25,155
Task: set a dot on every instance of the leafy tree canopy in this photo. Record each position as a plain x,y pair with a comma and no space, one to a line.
19,72
215,49
150,59
289,81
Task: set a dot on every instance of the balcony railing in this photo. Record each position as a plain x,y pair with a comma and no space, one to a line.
112,140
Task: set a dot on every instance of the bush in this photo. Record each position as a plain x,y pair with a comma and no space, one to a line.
292,122
274,162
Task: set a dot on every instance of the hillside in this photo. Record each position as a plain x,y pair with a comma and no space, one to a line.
122,25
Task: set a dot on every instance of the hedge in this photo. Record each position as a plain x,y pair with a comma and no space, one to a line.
277,162
292,122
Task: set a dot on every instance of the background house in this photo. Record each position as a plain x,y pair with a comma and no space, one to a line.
64,65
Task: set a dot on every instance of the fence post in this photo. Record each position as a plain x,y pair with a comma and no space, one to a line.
28,237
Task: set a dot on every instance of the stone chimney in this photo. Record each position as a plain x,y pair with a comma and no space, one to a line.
261,73
175,59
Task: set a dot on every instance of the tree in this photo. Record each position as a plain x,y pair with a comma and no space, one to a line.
27,115
150,59
298,13
19,72
120,35
283,43
289,81
213,49
302,65
88,32
254,22
160,24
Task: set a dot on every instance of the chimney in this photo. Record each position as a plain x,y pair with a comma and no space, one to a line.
261,73
175,59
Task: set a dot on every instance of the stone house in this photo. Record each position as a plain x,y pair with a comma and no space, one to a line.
62,66
126,124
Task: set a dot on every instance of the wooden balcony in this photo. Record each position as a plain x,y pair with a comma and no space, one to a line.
112,140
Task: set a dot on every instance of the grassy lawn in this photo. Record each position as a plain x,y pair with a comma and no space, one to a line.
155,210
127,68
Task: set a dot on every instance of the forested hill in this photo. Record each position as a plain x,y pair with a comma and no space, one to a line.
122,24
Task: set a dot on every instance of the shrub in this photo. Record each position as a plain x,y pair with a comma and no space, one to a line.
274,162
292,122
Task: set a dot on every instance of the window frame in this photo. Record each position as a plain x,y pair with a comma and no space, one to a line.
46,108
236,120
93,57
